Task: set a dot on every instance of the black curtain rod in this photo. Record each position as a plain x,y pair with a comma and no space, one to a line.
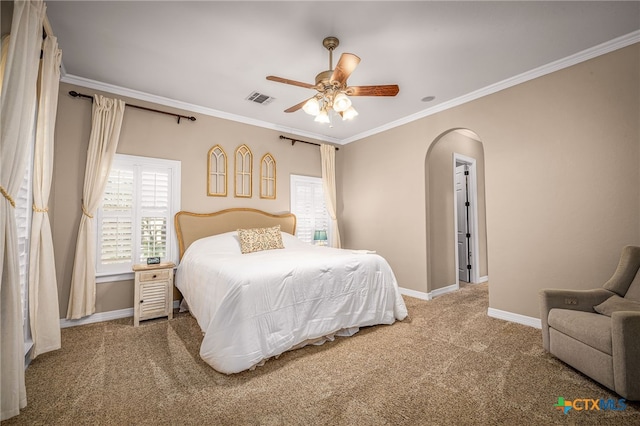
80,95
293,142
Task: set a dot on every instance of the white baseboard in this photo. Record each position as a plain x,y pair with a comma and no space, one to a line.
483,279
414,293
103,316
517,318
443,290
494,313
98,317
428,296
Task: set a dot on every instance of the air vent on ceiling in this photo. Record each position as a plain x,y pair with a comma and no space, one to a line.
259,98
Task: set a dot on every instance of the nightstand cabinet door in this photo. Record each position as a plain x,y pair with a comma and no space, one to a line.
153,292
153,299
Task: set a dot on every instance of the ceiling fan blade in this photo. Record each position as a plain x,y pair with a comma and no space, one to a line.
296,107
383,90
292,82
347,63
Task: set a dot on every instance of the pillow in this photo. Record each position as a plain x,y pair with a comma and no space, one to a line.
257,239
292,242
616,303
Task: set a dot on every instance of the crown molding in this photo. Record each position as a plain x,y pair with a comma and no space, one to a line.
160,100
601,49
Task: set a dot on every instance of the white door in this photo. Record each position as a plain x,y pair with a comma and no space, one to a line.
462,204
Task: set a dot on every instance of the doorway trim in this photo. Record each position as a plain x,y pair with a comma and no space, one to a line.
474,244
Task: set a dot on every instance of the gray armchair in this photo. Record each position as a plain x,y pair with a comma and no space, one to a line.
598,331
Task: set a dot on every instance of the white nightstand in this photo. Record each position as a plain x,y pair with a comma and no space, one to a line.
153,291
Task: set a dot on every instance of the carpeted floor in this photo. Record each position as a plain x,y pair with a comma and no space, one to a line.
447,364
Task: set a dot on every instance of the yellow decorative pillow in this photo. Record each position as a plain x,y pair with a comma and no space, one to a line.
257,239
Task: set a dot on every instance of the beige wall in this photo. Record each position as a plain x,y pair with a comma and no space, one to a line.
440,199
562,182
156,135
562,179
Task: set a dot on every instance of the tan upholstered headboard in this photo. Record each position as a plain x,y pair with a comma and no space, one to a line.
193,226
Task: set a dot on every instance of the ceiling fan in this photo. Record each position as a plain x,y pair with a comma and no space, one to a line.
333,90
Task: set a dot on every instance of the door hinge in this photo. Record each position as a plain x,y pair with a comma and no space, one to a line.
467,204
466,172
468,235
469,267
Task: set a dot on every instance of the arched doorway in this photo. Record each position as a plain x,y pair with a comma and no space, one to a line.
447,240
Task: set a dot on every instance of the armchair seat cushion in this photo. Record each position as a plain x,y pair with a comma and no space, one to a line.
590,328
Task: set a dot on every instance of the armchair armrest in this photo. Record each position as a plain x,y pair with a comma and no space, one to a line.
625,339
578,300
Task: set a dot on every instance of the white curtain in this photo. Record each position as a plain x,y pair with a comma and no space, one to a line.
44,310
106,122
17,116
328,158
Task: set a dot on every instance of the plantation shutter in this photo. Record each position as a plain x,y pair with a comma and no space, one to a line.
23,223
155,213
116,227
307,203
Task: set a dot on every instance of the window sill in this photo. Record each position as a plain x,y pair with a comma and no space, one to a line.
109,278
120,276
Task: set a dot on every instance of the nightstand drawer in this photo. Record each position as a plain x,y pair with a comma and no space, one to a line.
156,275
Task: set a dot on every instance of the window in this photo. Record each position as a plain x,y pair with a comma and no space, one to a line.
135,220
307,203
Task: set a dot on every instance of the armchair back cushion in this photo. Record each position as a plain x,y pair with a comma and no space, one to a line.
626,273
634,289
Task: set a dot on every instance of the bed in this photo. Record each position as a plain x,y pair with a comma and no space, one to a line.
256,305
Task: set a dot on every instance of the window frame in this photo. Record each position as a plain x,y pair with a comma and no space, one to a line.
139,164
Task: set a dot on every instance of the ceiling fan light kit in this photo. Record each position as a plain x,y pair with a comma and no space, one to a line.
349,114
333,91
341,102
322,117
311,107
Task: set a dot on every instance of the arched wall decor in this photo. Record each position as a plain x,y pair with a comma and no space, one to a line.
243,172
268,177
217,172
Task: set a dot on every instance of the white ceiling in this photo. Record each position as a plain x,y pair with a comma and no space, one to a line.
208,56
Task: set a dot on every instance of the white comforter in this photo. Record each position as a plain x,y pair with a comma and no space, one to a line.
258,305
